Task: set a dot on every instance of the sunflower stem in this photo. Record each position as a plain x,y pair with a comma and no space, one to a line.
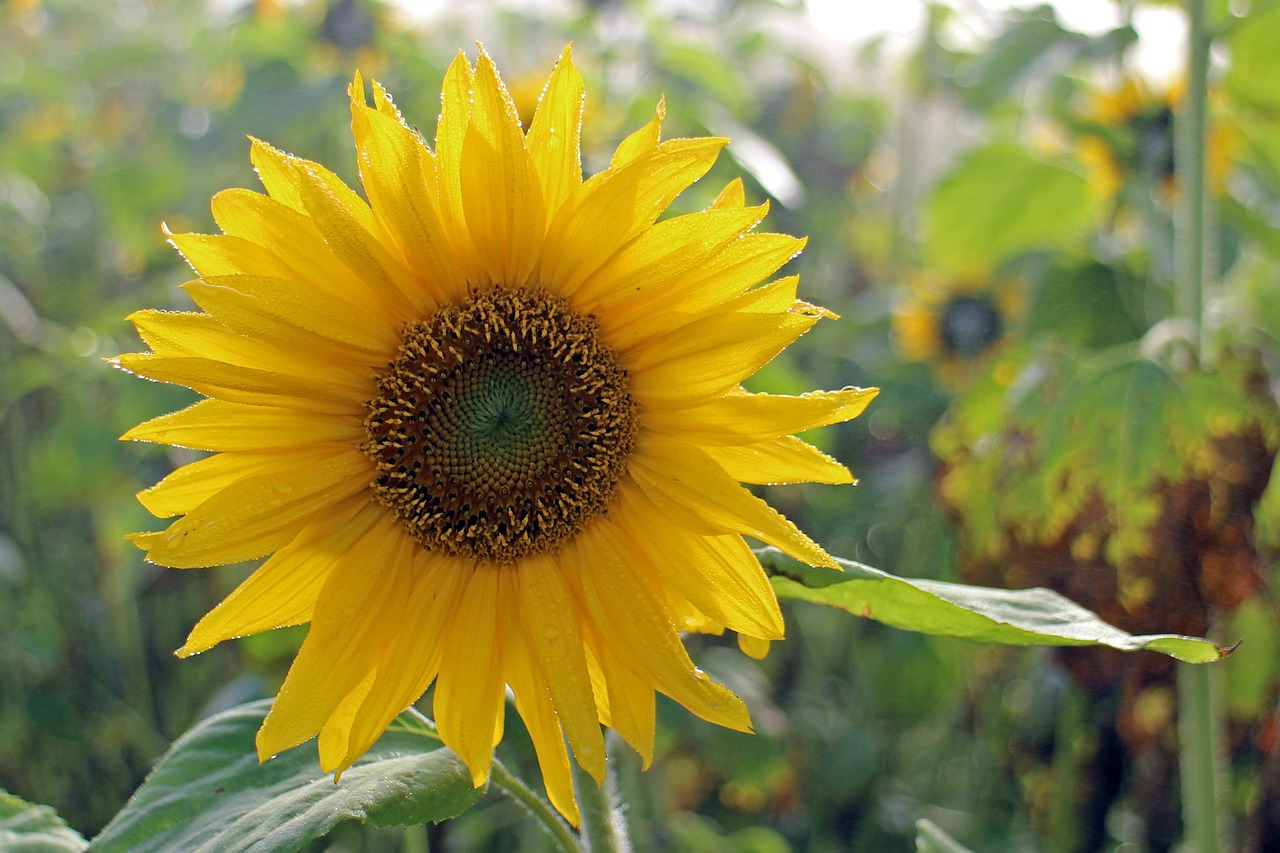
604,828
1199,730
1191,223
511,785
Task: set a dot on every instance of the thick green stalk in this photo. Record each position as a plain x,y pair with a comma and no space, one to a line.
507,782
604,829
1199,730
1199,726
1192,222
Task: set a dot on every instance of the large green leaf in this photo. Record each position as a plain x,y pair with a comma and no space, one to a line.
209,793
26,828
999,201
1024,617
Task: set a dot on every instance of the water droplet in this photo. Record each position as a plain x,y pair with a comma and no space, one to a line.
284,488
551,634
274,502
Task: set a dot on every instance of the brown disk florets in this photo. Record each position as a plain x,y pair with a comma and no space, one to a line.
503,426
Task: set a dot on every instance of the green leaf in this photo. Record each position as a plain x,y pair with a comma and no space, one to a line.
27,828
1014,54
1024,617
1001,200
931,839
209,793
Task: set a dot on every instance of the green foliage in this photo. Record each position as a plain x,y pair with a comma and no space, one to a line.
25,828
210,793
1253,83
931,839
1011,617
1111,429
999,201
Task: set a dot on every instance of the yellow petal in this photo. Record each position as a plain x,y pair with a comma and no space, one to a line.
335,734
284,589
356,616
255,515
748,418
533,702
295,240
682,480
232,426
399,175
240,384
222,254
451,130
277,172
501,195
733,195
625,699
555,134
550,617
191,485
614,207
357,248
663,254
236,299
717,574
740,265
755,647
468,697
710,356
413,659
640,142
640,633
780,460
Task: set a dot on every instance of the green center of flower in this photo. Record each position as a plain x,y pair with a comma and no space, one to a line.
502,426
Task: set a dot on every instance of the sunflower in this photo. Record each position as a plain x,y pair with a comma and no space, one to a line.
1128,134
488,426
951,324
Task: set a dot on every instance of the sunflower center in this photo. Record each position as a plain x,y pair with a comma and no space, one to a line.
970,324
502,426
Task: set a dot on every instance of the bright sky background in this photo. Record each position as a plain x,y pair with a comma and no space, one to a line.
1162,30
1158,54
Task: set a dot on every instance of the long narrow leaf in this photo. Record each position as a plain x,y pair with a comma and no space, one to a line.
1024,617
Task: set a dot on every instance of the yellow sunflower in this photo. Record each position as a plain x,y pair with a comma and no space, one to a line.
488,425
952,324
1129,133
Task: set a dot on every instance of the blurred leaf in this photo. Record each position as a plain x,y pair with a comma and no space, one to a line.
1027,41
1084,304
210,793
999,201
1026,617
1267,513
26,828
1251,672
1252,82
930,839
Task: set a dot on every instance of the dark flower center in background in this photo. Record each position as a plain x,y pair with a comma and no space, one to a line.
970,324
502,426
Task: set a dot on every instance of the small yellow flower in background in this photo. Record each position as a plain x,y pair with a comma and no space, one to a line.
950,324
488,425
1132,136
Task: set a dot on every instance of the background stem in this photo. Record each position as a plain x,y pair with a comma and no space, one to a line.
1199,733
1198,724
1191,221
